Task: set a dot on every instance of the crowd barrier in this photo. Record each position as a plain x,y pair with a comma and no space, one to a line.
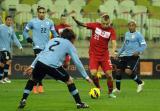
148,68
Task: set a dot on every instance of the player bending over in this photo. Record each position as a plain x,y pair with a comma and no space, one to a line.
50,62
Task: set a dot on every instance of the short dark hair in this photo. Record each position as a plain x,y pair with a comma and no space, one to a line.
39,7
68,34
105,16
8,17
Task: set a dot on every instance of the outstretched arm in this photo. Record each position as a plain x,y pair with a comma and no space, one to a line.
78,22
16,41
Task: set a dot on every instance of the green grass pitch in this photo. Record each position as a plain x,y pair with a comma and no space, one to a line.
57,97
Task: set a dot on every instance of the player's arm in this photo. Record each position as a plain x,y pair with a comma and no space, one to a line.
78,22
35,60
26,30
142,44
114,47
16,41
78,64
114,43
121,49
53,30
28,70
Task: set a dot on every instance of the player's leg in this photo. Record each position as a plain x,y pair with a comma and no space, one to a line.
74,92
1,73
1,67
7,63
38,87
67,61
37,75
6,69
61,74
120,64
130,70
93,67
100,72
118,81
107,68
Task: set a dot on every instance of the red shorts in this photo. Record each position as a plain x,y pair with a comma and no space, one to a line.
68,58
105,65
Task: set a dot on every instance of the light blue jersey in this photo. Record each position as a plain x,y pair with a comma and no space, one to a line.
7,38
55,52
134,42
40,32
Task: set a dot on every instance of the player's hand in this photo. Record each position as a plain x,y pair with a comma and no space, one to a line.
73,14
89,80
73,17
28,71
114,55
29,40
21,49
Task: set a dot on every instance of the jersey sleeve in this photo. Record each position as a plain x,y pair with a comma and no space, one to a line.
91,26
141,39
53,30
122,47
15,40
35,61
27,28
77,62
113,34
142,43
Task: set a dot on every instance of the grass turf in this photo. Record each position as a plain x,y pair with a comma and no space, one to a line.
57,97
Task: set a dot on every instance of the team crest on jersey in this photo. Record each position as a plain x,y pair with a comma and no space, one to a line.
102,33
133,36
47,23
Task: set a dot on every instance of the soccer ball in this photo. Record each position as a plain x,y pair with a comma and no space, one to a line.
94,93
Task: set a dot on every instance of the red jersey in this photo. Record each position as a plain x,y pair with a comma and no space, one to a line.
59,28
99,40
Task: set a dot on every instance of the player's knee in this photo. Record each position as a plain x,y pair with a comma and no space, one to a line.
93,72
70,81
118,70
1,65
128,71
108,74
8,62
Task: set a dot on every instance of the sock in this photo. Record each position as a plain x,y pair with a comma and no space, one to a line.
28,89
136,78
110,85
6,67
40,83
96,81
1,73
74,92
118,81
35,83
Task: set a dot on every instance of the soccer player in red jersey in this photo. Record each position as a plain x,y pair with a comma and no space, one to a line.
59,28
98,50
63,24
